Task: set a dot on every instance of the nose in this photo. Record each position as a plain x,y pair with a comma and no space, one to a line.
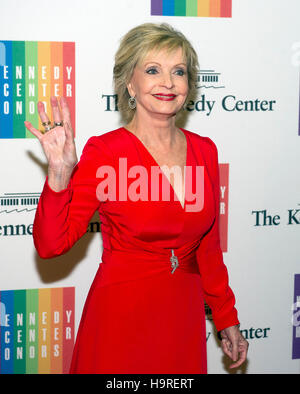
167,80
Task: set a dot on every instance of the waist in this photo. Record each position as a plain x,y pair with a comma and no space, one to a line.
137,260
171,260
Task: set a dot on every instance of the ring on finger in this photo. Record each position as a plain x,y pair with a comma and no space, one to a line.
47,125
47,128
58,123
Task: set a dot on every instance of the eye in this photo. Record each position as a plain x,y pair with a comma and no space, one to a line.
151,70
180,72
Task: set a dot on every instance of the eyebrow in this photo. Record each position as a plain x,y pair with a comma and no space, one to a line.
179,64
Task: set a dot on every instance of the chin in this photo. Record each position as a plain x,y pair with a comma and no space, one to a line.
166,111
165,114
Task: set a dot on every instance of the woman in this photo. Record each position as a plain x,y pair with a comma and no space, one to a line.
145,309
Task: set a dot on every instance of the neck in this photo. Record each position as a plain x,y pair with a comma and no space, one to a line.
154,131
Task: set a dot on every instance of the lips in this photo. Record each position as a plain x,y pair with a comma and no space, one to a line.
164,97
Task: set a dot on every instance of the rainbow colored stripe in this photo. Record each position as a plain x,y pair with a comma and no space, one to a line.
203,8
30,72
36,330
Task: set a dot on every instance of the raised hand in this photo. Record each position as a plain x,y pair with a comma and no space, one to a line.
57,142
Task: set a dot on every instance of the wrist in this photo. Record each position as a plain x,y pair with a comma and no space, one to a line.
219,332
58,179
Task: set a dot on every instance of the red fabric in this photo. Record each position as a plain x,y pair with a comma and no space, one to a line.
138,316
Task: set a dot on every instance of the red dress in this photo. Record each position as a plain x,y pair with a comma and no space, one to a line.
142,314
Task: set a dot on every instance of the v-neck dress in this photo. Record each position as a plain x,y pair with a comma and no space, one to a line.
145,309
155,164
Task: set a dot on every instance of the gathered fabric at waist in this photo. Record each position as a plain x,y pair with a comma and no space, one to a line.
119,266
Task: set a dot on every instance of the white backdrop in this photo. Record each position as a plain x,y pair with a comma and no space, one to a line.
257,56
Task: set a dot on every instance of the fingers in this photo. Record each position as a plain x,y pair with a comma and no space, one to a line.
69,132
65,110
57,118
242,358
44,119
227,348
33,130
237,352
42,114
60,113
67,119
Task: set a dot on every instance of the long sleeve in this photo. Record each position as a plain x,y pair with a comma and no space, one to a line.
213,272
63,217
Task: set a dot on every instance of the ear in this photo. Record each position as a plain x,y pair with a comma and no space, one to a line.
130,89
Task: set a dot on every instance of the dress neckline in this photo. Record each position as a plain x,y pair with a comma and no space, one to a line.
130,133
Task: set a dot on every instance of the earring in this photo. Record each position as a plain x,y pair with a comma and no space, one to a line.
132,103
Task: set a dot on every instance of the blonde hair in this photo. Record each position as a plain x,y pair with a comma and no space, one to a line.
135,45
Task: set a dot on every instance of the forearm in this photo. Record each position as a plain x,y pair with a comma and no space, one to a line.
50,227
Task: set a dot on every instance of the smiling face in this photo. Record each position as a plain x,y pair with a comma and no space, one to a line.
160,84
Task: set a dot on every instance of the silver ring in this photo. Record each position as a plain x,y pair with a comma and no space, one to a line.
58,124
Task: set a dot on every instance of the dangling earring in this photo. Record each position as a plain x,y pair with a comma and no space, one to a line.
132,103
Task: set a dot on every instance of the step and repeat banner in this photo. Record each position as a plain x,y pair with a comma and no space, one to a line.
247,103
